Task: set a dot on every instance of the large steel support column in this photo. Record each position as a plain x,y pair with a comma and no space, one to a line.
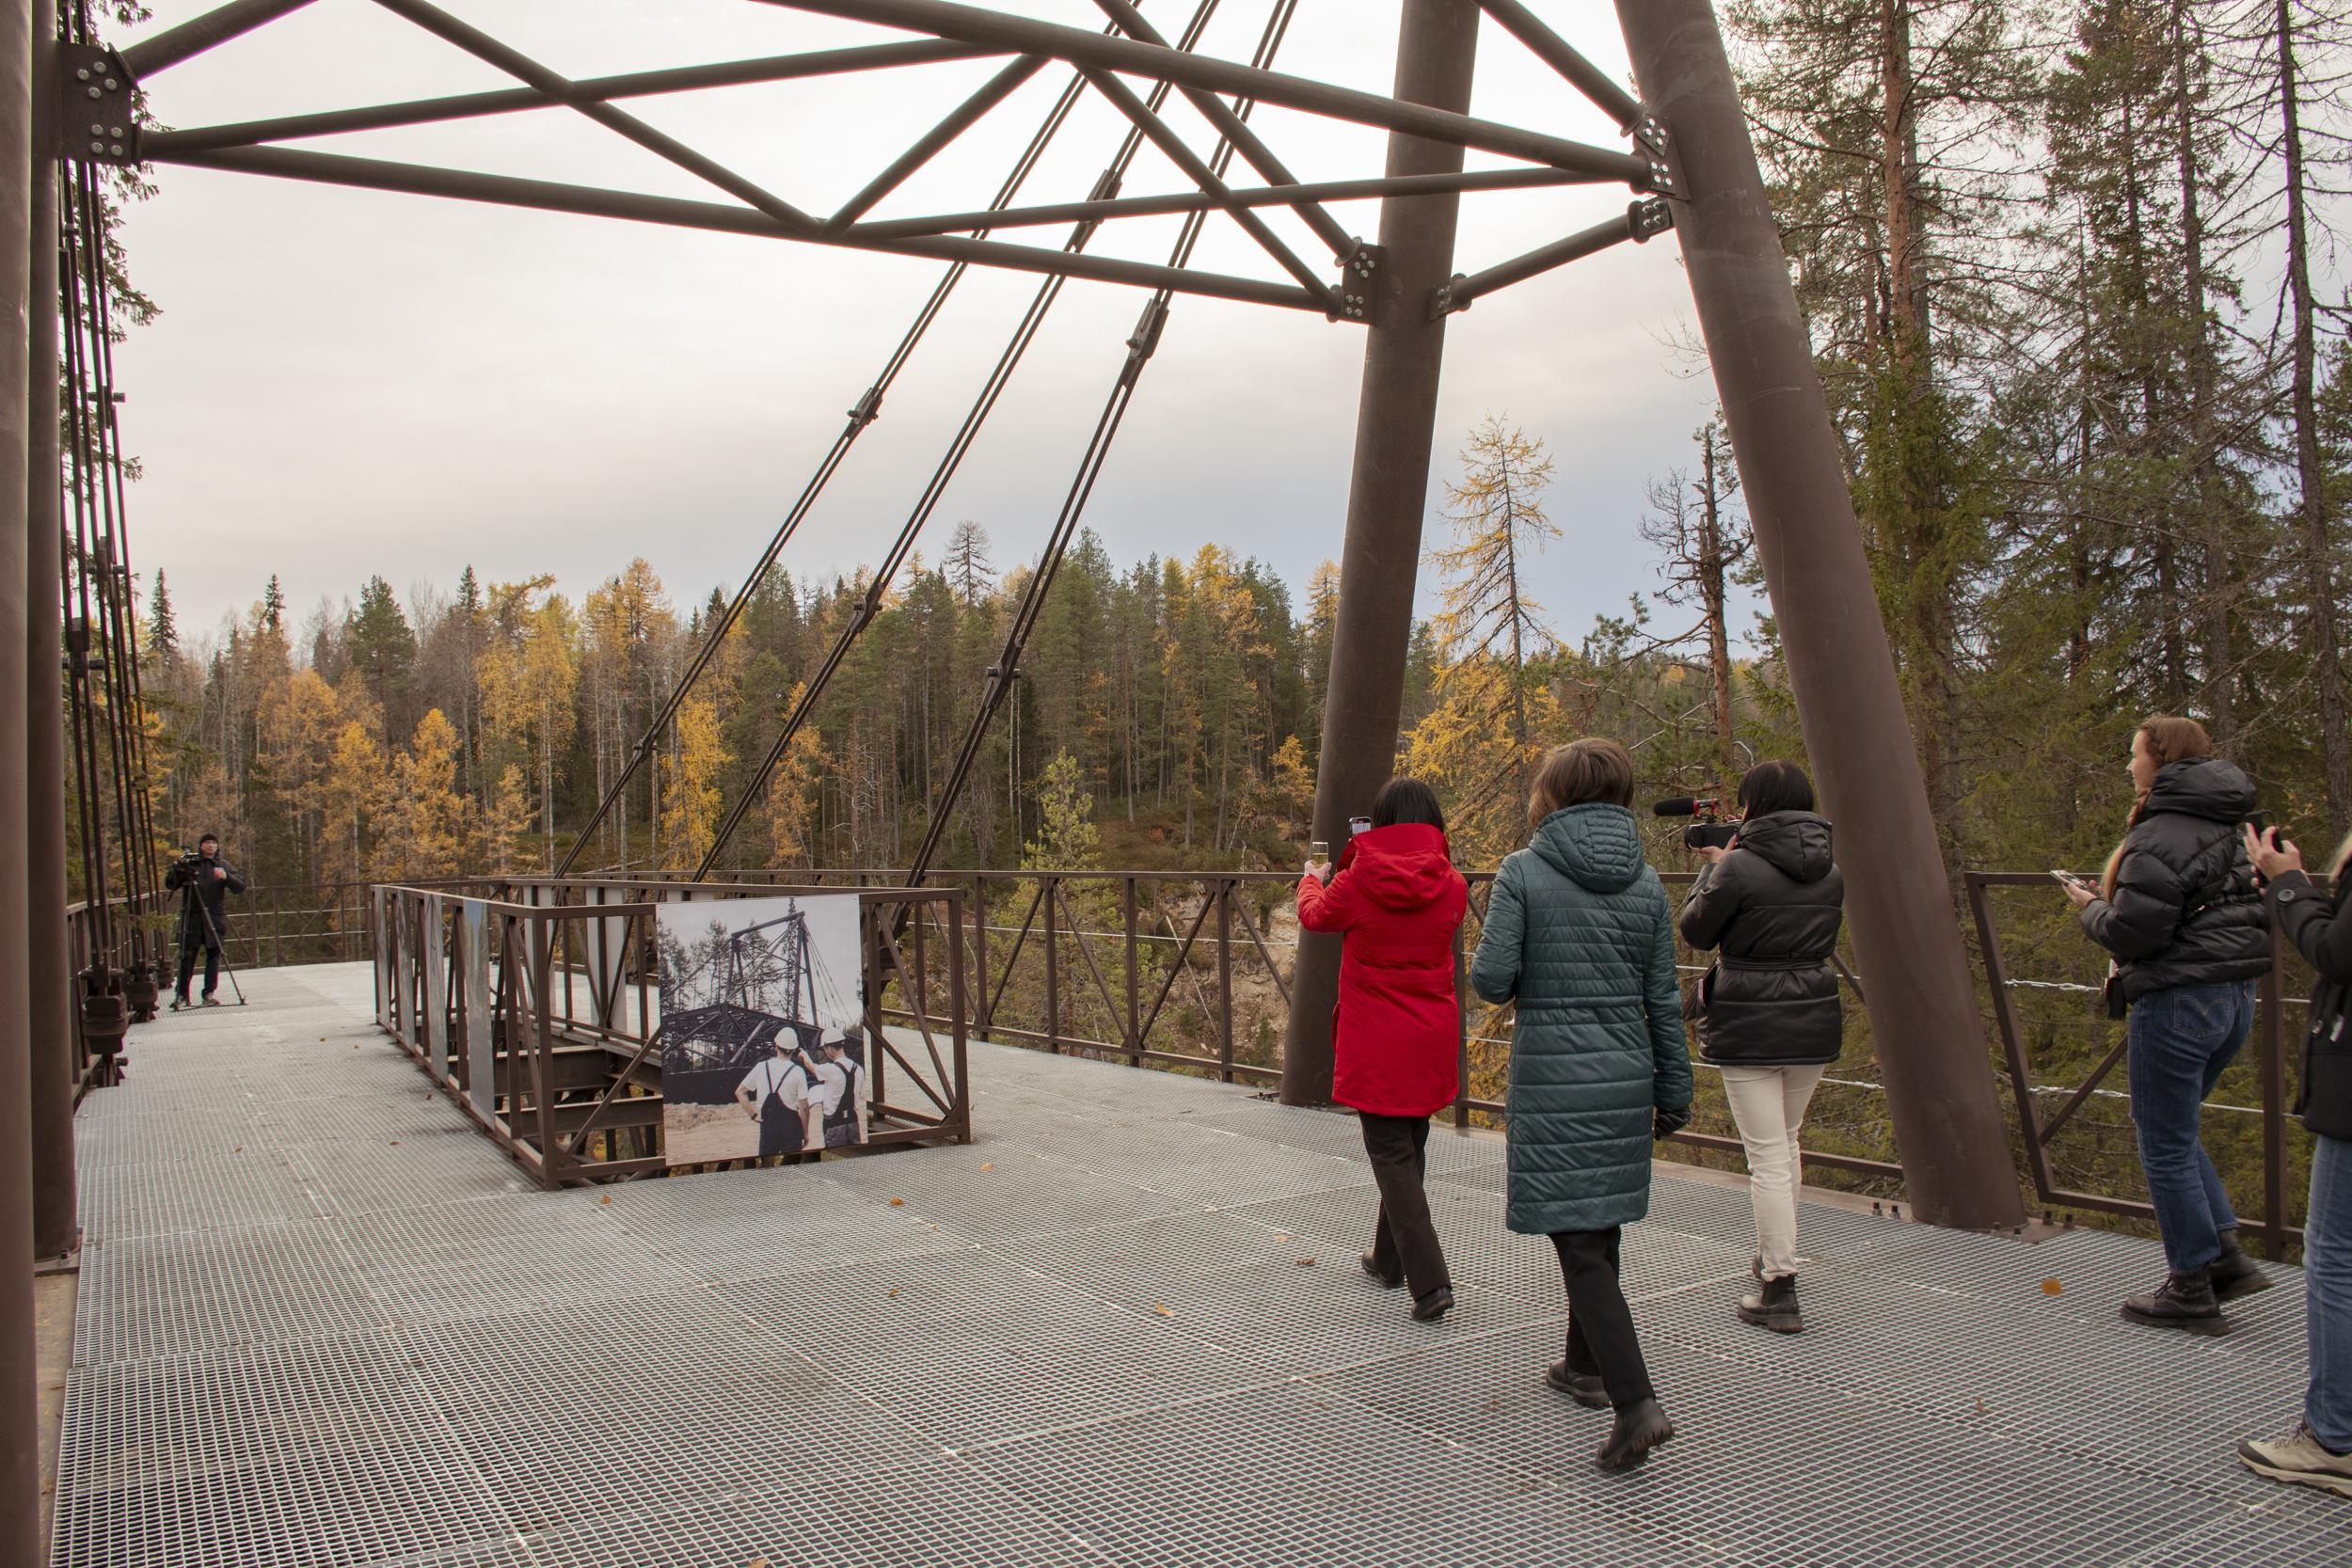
54,1229
1388,494
20,1467
1931,1045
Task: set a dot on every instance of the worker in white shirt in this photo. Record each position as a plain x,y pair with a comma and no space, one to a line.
775,1094
837,1090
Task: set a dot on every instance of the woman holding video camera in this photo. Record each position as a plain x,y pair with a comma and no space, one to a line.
1768,1011
1398,1027
2177,908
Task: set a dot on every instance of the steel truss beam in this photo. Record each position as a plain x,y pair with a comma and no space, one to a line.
1130,57
326,168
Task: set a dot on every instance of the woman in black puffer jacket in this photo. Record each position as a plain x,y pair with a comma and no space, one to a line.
1768,1011
2178,910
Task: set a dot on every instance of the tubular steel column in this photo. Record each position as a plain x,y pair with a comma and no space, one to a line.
1396,415
1922,1000
20,1466
55,1232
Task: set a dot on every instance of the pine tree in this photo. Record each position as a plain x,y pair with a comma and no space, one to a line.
163,630
1067,839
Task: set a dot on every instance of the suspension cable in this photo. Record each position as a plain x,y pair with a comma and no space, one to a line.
868,607
867,410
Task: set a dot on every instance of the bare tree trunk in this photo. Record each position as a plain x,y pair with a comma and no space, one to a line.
2318,574
1711,590
2220,660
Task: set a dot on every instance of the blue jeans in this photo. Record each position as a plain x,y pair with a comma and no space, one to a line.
2327,1294
2180,1041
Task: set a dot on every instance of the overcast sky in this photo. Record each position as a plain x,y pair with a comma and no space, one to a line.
344,383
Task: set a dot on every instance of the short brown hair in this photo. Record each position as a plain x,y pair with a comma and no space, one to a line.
1583,771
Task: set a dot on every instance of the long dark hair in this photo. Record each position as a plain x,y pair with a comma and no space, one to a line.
1403,800
1771,786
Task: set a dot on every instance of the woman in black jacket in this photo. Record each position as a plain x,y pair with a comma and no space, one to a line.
2178,910
1767,1010
2319,1451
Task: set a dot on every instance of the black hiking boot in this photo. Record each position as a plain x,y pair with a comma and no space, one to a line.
2184,1302
1774,1304
2234,1274
1583,1387
1641,1427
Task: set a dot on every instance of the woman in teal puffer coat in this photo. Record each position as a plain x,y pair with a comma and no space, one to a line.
1577,934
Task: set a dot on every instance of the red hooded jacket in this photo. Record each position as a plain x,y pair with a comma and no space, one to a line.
1397,1028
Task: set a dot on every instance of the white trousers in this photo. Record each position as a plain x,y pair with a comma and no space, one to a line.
1769,1104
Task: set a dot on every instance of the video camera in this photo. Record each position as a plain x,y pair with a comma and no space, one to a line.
1711,831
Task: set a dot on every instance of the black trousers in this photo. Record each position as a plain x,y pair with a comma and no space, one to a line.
187,966
1405,1242
780,1126
1601,1325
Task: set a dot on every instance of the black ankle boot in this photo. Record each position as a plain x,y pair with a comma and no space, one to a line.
2183,1301
1774,1304
1430,1308
1641,1427
2234,1274
1585,1388
1371,1262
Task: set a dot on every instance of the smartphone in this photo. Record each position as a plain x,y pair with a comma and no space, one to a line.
1358,825
2070,880
2260,822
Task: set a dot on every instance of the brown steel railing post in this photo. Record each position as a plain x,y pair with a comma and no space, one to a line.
956,998
2270,1024
1135,1034
1225,979
543,1090
2012,1041
1053,974
979,950
1461,1033
917,985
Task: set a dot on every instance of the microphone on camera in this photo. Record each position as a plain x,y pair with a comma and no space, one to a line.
1685,805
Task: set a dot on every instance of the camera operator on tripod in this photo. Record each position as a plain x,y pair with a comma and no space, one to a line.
203,881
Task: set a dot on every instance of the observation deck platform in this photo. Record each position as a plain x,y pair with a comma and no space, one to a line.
324,1320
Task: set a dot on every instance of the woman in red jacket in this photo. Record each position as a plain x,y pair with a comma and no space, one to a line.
1397,1029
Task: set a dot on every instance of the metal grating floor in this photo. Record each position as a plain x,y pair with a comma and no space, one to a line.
323,1321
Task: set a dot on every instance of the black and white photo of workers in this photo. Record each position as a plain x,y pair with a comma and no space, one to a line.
775,1094
202,879
838,1087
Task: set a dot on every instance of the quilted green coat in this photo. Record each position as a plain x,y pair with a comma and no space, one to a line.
1577,934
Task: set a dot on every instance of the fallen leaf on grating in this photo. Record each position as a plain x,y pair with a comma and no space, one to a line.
891,1292
1983,1409
897,1203
1307,1262
606,1199
757,1562
2052,1287
990,1165
1162,1310
239,1150
395,1143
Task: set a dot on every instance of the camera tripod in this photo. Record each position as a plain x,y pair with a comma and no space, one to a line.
220,946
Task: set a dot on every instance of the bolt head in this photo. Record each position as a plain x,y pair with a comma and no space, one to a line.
118,130
95,93
97,147
117,150
82,74
97,130
112,85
